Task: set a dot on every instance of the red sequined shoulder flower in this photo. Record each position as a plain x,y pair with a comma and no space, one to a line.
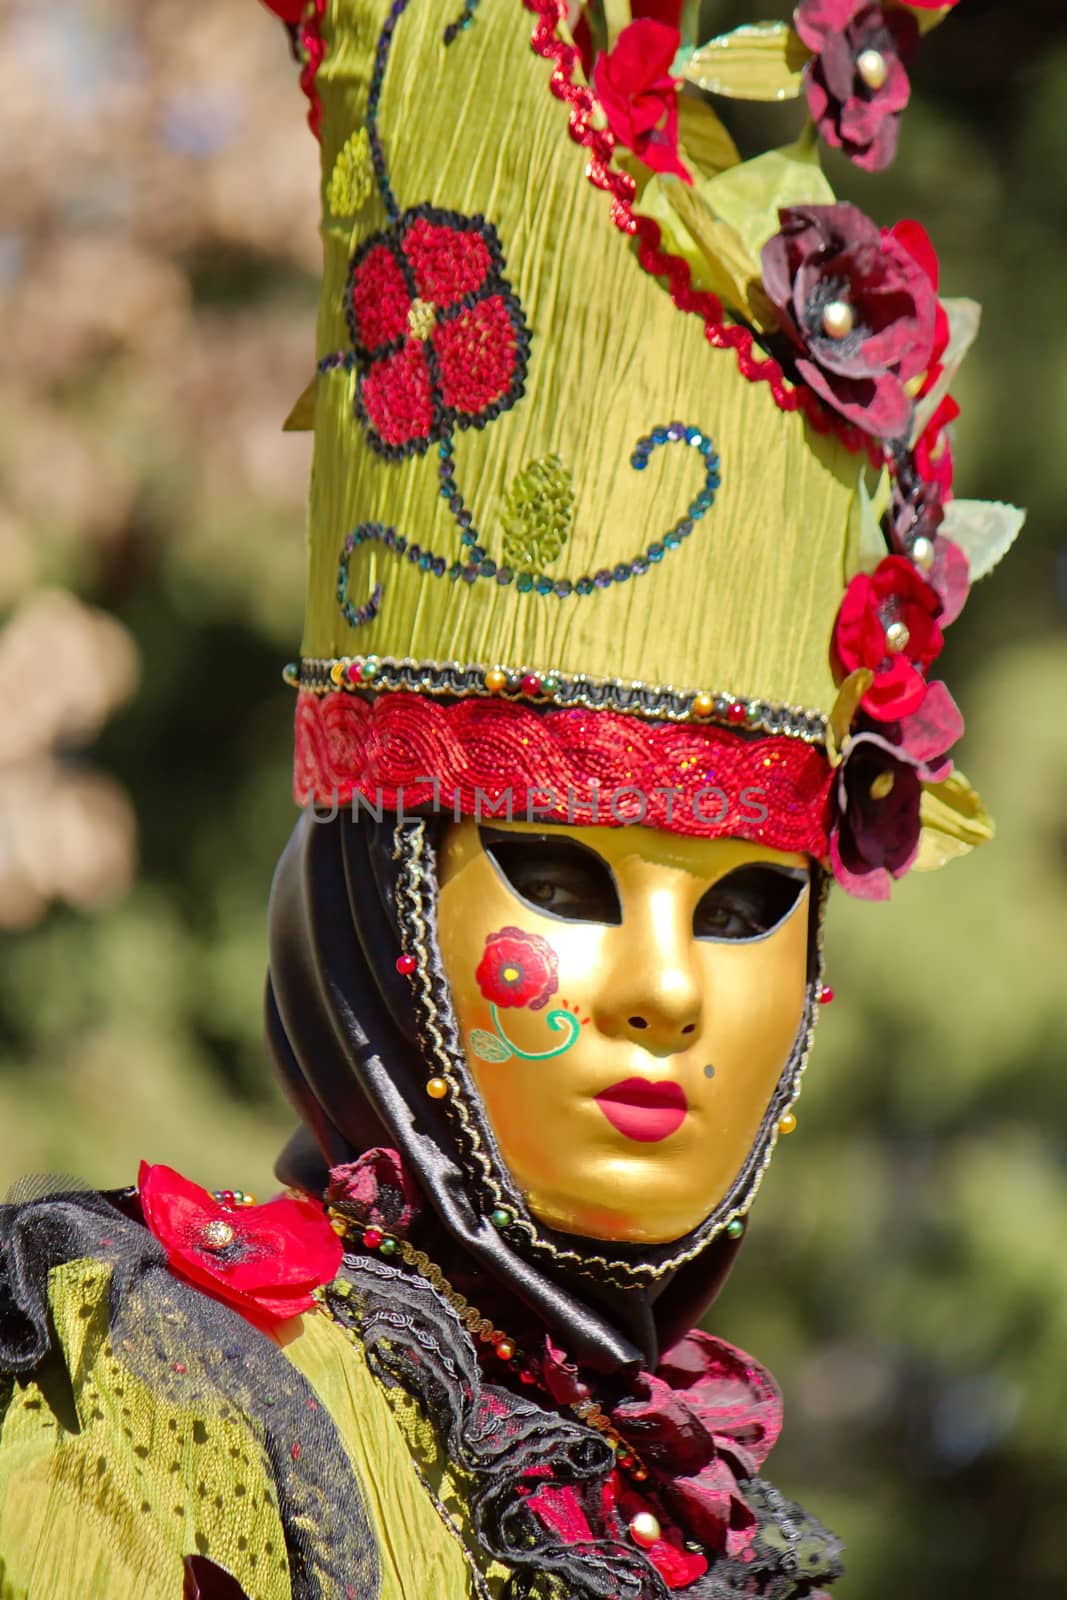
264,1260
439,335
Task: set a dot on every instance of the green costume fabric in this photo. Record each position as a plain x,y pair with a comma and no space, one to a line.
158,1428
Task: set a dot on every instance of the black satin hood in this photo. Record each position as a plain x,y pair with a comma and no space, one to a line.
341,1027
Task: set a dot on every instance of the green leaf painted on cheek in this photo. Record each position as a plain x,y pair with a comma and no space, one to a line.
487,1047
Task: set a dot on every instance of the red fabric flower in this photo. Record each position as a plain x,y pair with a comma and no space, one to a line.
639,96
518,969
888,622
917,242
933,452
290,11
855,99
859,308
439,336
875,836
264,1260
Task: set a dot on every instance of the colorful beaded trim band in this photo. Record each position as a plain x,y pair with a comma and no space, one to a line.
664,703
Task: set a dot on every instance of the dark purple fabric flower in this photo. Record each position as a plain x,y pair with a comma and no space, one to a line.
377,1189
856,82
879,788
706,1419
859,308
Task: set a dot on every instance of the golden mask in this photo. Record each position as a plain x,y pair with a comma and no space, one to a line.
627,1001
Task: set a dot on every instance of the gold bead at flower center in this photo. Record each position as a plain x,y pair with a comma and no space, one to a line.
216,1235
645,1529
838,319
896,637
873,68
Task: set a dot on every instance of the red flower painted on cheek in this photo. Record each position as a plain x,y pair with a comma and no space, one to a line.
518,969
264,1260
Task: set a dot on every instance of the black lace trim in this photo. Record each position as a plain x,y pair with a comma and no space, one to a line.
508,1444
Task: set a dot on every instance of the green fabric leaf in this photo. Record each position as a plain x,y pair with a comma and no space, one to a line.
706,145
866,542
720,225
748,197
760,61
964,317
487,1047
985,530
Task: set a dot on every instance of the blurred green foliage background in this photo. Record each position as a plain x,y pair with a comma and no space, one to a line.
906,1274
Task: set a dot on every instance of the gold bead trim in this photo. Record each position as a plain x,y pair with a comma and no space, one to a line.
660,703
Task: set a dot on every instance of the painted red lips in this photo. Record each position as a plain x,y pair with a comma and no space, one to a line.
644,1110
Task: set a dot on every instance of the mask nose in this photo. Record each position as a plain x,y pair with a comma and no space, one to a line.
653,992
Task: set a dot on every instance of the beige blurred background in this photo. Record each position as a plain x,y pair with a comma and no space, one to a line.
906,1274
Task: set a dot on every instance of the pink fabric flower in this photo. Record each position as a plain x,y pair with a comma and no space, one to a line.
856,82
888,622
639,96
264,1260
875,836
859,308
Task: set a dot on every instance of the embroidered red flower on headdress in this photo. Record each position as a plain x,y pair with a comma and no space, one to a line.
264,1260
888,622
859,308
518,969
856,82
639,96
438,333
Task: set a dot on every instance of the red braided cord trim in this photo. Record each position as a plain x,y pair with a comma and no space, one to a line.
401,751
600,143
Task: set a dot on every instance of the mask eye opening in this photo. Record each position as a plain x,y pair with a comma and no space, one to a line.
750,903
555,876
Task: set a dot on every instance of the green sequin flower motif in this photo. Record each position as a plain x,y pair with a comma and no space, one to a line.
352,179
537,513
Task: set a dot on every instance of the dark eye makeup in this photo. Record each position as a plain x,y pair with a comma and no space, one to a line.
561,878
749,902
557,877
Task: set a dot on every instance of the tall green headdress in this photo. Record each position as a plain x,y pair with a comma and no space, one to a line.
631,485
